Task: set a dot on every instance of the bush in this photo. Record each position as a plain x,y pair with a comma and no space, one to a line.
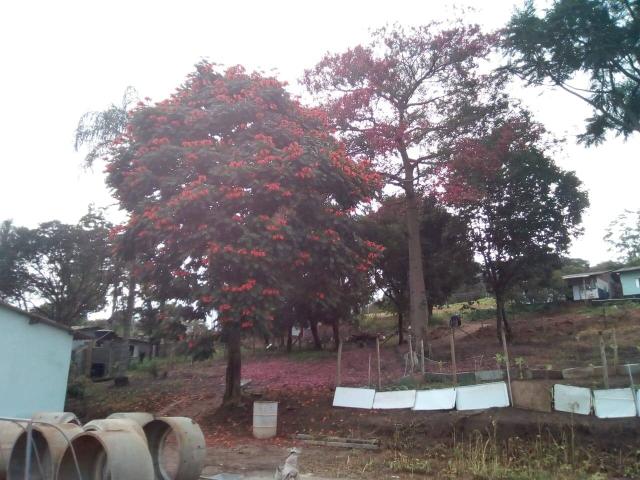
77,387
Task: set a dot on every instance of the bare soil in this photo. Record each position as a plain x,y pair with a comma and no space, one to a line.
303,385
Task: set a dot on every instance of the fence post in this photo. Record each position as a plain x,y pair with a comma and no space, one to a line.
378,356
453,356
506,361
603,356
339,372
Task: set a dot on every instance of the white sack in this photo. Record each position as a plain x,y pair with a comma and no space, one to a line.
479,397
396,399
567,398
436,399
353,397
614,403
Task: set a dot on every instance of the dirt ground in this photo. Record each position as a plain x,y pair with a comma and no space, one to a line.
303,385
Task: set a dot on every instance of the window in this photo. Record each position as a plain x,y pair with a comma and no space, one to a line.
638,282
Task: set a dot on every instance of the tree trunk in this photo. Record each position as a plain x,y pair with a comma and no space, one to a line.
501,319
121,378
417,290
232,393
336,332
114,305
507,328
313,326
289,338
400,327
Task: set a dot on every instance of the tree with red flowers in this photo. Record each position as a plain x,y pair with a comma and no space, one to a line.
522,209
239,193
402,100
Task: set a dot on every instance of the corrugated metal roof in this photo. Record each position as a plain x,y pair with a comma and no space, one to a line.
34,318
585,274
627,269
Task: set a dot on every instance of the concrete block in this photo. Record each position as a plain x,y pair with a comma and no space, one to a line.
578,372
598,371
624,369
464,378
489,375
437,377
544,374
531,396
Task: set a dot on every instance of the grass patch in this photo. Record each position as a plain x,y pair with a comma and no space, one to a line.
309,355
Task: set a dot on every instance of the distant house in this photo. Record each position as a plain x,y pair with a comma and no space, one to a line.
630,281
35,354
101,347
592,285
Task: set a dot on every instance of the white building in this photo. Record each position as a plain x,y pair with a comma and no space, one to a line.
35,354
591,285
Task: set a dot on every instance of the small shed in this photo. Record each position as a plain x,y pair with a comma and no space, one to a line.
630,280
35,353
591,285
102,348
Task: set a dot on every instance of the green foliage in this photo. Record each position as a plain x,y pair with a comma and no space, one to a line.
77,387
447,252
201,347
13,274
63,270
599,37
623,234
98,129
522,208
402,463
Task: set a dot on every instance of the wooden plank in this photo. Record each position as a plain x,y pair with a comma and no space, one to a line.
363,446
304,436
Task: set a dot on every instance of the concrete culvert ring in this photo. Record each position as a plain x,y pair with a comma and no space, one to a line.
177,448
41,464
56,417
142,418
114,424
107,455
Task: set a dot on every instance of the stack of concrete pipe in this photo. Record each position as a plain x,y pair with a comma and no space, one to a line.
124,446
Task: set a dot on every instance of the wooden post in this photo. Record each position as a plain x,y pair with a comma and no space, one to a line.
369,382
378,355
633,387
339,372
603,356
615,348
453,357
411,364
506,361
88,358
422,356
110,359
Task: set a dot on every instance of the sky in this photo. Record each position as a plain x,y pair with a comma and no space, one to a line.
61,59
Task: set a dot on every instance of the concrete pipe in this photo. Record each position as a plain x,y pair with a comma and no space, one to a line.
50,443
116,424
107,454
56,417
9,433
141,417
177,448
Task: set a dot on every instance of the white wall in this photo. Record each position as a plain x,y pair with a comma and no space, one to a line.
34,365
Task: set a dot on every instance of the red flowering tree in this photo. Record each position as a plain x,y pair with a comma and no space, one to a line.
522,209
403,100
239,192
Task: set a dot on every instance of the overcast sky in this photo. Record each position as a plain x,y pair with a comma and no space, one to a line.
61,59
